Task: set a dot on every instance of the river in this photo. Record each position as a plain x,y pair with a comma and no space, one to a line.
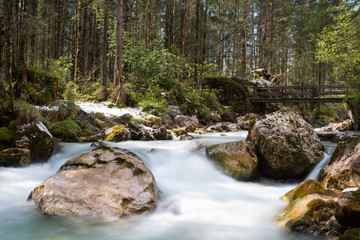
199,202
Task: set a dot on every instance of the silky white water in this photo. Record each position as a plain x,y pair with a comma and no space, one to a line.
199,202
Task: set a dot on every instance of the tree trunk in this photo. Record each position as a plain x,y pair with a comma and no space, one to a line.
183,27
105,51
118,54
78,62
22,50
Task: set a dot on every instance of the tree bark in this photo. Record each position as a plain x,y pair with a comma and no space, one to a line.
22,50
118,83
183,27
105,51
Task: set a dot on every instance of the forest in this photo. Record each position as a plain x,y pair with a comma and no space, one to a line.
152,52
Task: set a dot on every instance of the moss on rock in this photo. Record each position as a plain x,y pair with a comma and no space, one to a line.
118,133
67,130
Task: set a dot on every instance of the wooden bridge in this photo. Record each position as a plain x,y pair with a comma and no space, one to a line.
300,94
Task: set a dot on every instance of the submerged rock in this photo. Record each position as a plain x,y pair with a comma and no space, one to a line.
343,169
37,138
236,159
287,145
106,182
14,157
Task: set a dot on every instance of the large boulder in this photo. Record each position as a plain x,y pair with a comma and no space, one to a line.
14,157
287,145
343,169
37,138
236,159
311,208
106,182
186,122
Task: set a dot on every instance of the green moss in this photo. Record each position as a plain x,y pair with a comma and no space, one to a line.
178,132
352,234
117,134
5,136
308,187
67,129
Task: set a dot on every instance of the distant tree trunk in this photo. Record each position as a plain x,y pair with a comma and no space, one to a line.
203,58
169,24
118,83
9,55
22,50
105,51
197,46
78,46
244,45
3,52
183,26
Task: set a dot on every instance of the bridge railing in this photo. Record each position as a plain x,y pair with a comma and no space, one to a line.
308,93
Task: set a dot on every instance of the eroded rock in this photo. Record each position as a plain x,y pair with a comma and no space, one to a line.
106,182
236,159
37,138
14,157
343,169
287,145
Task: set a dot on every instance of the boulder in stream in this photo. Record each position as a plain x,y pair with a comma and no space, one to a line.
106,182
286,144
343,169
236,159
37,138
15,157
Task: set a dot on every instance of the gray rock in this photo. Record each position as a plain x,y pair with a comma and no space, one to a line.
14,157
287,145
106,182
37,138
236,159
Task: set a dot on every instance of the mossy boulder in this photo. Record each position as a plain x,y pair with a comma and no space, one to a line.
351,234
117,133
106,182
14,157
236,159
311,208
37,138
348,211
286,144
178,131
343,168
5,138
66,130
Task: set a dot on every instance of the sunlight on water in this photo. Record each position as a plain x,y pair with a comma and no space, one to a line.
199,202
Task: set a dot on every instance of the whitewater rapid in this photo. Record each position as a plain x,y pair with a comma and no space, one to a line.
199,201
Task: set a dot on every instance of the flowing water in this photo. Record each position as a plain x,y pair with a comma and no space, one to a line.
199,202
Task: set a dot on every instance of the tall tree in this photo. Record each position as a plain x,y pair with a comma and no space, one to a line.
118,80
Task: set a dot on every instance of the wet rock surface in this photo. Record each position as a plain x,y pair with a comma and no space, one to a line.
236,159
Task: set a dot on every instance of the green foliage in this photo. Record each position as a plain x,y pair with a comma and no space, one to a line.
71,91
339,45
153,65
